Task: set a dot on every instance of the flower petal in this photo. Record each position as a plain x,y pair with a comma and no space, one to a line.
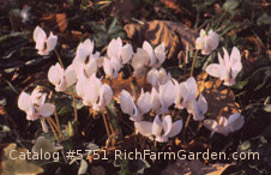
214,70
51,42
144,128
46,109
143,102
126,103
176,128
126,53
24,101
167,125
157,127
160,54
39,37
70,76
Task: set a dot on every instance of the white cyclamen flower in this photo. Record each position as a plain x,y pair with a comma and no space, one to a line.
162,99
118,55
158,77
116,50
34,105
85,60
140,61
225,126
60,78
228,68
44,45
162,130
185,93
198,108
111,67
137,110
93,92
157,56
207,42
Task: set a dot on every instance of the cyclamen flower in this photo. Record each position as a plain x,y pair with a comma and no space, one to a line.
185,93
93,92
85,60
207,42
135,111
163,98
44,45
162,130
228,68
158,77
198,108
157,55
112,67
117,51
34,105
140,61
225,126
186,98
61,78
118,55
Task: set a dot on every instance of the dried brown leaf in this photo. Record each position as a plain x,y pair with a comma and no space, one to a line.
176,36
61,21
218,97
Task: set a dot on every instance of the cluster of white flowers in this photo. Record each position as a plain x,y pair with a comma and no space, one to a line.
147,63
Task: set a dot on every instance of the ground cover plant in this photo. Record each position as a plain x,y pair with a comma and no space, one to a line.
84,81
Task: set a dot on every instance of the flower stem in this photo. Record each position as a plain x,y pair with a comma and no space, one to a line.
57,128
53,130
74,105
59,59
106,125
194,62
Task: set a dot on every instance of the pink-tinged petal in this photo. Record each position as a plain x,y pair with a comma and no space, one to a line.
70,76
46,110
167,125
214,40
152,77
155,100
176,128
80,85
160,54
214,70
91,67
202,103
126,103
192,86
126,53
114,48
144,128
157,126
55,74
24,102
167,94
226,59
144,102
235,122
140,59
51,42
106,95
39,37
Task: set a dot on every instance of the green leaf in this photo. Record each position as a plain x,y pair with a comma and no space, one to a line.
231,5
265,19
18,166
